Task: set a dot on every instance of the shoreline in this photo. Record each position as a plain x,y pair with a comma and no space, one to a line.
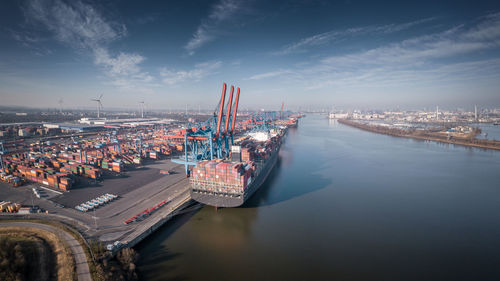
428,136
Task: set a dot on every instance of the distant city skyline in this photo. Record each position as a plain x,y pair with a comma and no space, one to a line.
319,54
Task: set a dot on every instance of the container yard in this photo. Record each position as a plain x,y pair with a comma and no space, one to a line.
99,211
65,164
118,182
97,180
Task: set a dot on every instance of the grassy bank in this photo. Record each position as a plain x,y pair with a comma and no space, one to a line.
102,266
34,254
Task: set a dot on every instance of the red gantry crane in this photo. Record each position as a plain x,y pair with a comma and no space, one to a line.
212,138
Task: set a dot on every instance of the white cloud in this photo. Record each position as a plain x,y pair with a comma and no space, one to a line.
31,41
426,59
424,49
82,27
173,77
437,59
269,74
388,77
224,10
327,37
25,37
200,37
77,24
123,64
486,30
207,31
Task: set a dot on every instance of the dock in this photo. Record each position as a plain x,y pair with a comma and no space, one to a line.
143,190
143,230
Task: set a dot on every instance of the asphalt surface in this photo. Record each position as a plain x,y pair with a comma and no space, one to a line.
141,189
82,267
110,217
118,185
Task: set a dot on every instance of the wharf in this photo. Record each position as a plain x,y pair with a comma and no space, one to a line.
143,230
140,190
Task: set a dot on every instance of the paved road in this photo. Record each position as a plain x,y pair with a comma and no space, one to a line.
82,268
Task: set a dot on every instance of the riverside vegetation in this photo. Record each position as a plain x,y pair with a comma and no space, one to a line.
33,254
120,267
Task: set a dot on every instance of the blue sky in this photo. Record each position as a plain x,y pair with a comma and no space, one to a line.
306,53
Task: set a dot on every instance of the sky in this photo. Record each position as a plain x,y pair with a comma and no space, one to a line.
173,54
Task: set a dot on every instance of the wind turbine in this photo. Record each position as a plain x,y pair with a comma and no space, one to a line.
142,108
99,105
60,105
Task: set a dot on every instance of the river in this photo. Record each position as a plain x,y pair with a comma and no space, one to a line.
346,204
488,131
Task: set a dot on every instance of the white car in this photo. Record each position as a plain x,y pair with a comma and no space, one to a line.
88,206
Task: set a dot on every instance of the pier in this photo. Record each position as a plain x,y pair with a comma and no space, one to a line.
139,196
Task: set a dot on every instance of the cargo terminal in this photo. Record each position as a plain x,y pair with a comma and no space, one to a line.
118,180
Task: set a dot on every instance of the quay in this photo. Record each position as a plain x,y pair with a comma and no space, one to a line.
138,192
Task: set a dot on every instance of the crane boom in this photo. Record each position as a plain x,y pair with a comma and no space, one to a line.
228,114
221,109
235,112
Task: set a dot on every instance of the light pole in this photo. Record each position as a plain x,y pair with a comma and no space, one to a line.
95,220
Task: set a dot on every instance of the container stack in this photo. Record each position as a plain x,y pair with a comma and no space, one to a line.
247,154
152,154
9,207
46,162
225,177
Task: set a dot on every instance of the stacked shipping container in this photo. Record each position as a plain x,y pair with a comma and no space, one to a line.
219,176
60,164
233,178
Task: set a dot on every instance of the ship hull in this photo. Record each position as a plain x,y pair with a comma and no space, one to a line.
225,200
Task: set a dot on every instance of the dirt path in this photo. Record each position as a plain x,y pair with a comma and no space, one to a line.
82,268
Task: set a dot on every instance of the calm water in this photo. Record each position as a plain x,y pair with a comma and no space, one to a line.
345,204
488,131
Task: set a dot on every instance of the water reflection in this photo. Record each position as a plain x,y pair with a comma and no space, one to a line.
261,196
302,177
332,122
345,204
159,255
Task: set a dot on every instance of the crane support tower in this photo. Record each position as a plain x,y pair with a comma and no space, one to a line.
210,139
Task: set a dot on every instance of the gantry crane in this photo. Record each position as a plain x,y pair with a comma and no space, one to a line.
265,120
210,139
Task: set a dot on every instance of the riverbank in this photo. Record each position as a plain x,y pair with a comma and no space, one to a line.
31,253
470,141
87,260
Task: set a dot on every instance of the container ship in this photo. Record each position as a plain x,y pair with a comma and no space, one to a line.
222,183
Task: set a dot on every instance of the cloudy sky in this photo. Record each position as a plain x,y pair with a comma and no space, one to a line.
306,53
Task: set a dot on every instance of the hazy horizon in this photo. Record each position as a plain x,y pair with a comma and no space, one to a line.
317,54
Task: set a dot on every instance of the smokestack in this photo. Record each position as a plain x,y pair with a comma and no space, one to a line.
475,112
